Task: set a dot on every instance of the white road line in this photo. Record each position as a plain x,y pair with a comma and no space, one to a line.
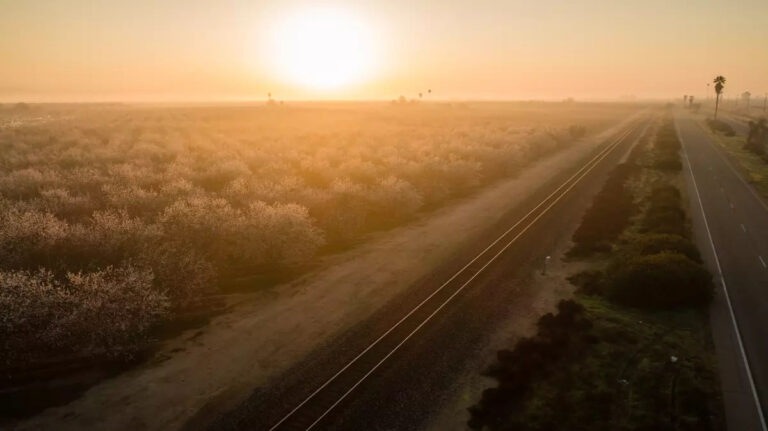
725,290
743,228
582,171
762,261
731,205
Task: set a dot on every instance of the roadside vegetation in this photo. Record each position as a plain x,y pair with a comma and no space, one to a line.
610,212
720,126
757,139
116,219
632,350
749,154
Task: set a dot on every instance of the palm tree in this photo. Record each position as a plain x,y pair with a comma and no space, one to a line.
719,82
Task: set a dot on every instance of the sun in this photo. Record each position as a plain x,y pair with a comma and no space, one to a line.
322,48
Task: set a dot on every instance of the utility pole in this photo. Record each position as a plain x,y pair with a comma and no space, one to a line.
546,263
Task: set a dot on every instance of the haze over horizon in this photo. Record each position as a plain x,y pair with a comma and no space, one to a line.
61,51
383,215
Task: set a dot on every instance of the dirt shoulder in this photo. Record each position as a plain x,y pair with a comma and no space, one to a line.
270,330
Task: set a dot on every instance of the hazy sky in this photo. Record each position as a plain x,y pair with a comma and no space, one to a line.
501,49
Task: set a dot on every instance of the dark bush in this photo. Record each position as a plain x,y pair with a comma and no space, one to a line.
666,149
665,214
608,216
721,126
757,140
665,221
560,336
665,194
590,282
667,140
663,280
667,162
648,244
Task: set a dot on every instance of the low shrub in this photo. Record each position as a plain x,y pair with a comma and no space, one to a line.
665,214
517,370
721,126
666,138
608,216
666,149
589,282
665,194
667,162
659,281
664,221
757,140
648,244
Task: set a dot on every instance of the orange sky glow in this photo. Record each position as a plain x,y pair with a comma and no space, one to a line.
237,50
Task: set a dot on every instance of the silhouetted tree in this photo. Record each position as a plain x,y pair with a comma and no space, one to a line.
690,101
685,99
719,82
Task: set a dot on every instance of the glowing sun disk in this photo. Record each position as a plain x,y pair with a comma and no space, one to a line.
322,48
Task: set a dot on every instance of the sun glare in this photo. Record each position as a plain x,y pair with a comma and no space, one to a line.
322,48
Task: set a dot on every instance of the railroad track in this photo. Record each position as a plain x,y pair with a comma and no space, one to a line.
310,412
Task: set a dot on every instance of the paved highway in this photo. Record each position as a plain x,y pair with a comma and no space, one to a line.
391,371
731,226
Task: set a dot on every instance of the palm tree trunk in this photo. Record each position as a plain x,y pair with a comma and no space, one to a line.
717,102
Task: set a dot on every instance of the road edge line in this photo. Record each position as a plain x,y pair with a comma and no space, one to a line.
725,286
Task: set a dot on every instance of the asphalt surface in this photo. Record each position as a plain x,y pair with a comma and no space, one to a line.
731,227
418,372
